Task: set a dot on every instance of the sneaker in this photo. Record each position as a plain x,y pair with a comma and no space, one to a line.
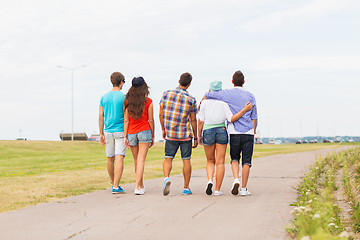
235,186
244,192
139,191
209,187
166,187
117,190
143,189
187,191
218,193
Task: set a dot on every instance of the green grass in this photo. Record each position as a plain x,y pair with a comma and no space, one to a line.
317,214
42,171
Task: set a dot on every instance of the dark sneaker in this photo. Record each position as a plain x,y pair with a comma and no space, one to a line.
209,187
235,187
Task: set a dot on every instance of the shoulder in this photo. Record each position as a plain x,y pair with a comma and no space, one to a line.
167,93
104,96
187,94
120,96
251,95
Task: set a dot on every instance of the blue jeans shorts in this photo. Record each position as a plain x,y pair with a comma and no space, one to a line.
215,135
142,137
241,144
171,148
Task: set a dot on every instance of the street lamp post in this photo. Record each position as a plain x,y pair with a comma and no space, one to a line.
72,69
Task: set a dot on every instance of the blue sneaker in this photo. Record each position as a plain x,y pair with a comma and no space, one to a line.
187,191
166,187
117,190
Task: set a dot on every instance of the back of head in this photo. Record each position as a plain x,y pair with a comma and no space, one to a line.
116,78
185,79
238,78
136,97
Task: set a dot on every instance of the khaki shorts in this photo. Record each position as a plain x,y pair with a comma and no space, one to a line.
114,144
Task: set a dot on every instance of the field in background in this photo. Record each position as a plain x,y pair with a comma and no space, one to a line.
32,172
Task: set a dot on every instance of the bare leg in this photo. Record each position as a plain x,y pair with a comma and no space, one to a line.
110,167
210,156
235,168
142,152
134,151
118,170
245,175
220,167
139,162
186,172
167,166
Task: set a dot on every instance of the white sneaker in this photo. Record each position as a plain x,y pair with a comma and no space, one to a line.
143,189
209,187
166,187
235,186
244,192
218,193
139,191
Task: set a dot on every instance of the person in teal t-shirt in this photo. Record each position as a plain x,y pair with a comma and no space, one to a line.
111,125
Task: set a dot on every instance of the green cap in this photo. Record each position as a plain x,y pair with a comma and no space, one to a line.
215,86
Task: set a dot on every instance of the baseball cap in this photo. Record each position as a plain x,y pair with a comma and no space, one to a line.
215,86
137,81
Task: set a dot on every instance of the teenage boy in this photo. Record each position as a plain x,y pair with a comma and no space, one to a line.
241,132
111,125
177,112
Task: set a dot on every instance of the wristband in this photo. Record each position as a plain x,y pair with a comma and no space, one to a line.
195,139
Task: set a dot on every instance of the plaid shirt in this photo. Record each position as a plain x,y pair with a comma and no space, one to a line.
177,105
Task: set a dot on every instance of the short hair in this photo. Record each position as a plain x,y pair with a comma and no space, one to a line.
238,78
116,78
185,79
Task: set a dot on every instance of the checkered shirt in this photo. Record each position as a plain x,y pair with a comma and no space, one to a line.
177,105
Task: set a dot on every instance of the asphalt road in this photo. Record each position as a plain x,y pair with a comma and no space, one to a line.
101,215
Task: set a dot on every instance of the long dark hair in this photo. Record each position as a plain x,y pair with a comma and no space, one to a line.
135,100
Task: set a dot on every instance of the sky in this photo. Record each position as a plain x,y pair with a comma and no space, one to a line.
301,60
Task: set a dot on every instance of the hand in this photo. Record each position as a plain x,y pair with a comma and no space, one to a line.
164,134
201,140
195,144
102,139
151,143
248,106
126,142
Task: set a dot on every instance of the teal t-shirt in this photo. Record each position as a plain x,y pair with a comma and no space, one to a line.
113,106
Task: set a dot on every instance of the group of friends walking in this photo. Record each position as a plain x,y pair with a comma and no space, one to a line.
127,121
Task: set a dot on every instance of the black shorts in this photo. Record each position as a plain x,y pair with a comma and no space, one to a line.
241,143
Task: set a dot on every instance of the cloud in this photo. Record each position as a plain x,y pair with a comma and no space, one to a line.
310,62
298,16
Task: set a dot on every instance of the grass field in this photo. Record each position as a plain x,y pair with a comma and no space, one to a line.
32,172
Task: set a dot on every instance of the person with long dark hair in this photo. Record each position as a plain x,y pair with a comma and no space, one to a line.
139,127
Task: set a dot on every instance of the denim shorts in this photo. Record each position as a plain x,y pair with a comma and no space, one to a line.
215,135
171,148
114,144
241,143
142,137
